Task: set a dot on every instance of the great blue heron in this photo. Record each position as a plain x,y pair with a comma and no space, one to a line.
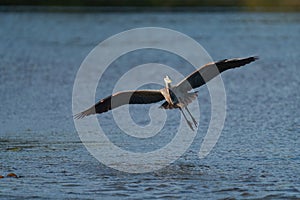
177,96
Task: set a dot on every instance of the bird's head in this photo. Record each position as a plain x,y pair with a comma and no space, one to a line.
168,81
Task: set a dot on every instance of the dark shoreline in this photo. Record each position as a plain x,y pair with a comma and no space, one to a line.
75,9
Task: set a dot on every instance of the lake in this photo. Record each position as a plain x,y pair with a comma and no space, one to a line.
257,155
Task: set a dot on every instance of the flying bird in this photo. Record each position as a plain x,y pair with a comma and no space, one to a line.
174,96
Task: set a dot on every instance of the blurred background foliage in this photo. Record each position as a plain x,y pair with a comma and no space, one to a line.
280,5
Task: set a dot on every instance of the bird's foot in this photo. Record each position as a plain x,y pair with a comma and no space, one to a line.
190,125
195,122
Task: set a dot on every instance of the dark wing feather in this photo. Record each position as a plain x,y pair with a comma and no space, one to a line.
211,70
122,98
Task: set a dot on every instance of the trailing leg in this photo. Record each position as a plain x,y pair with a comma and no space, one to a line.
192,117
188,122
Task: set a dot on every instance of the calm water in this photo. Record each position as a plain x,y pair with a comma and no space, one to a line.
257,155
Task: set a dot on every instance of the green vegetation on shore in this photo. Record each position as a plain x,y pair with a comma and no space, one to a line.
292,5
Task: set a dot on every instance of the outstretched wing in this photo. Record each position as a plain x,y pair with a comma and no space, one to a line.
211,70
122,98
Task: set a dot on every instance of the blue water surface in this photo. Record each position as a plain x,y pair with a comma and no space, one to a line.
257,155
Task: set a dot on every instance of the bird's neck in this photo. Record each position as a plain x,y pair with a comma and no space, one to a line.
170,93
168,85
